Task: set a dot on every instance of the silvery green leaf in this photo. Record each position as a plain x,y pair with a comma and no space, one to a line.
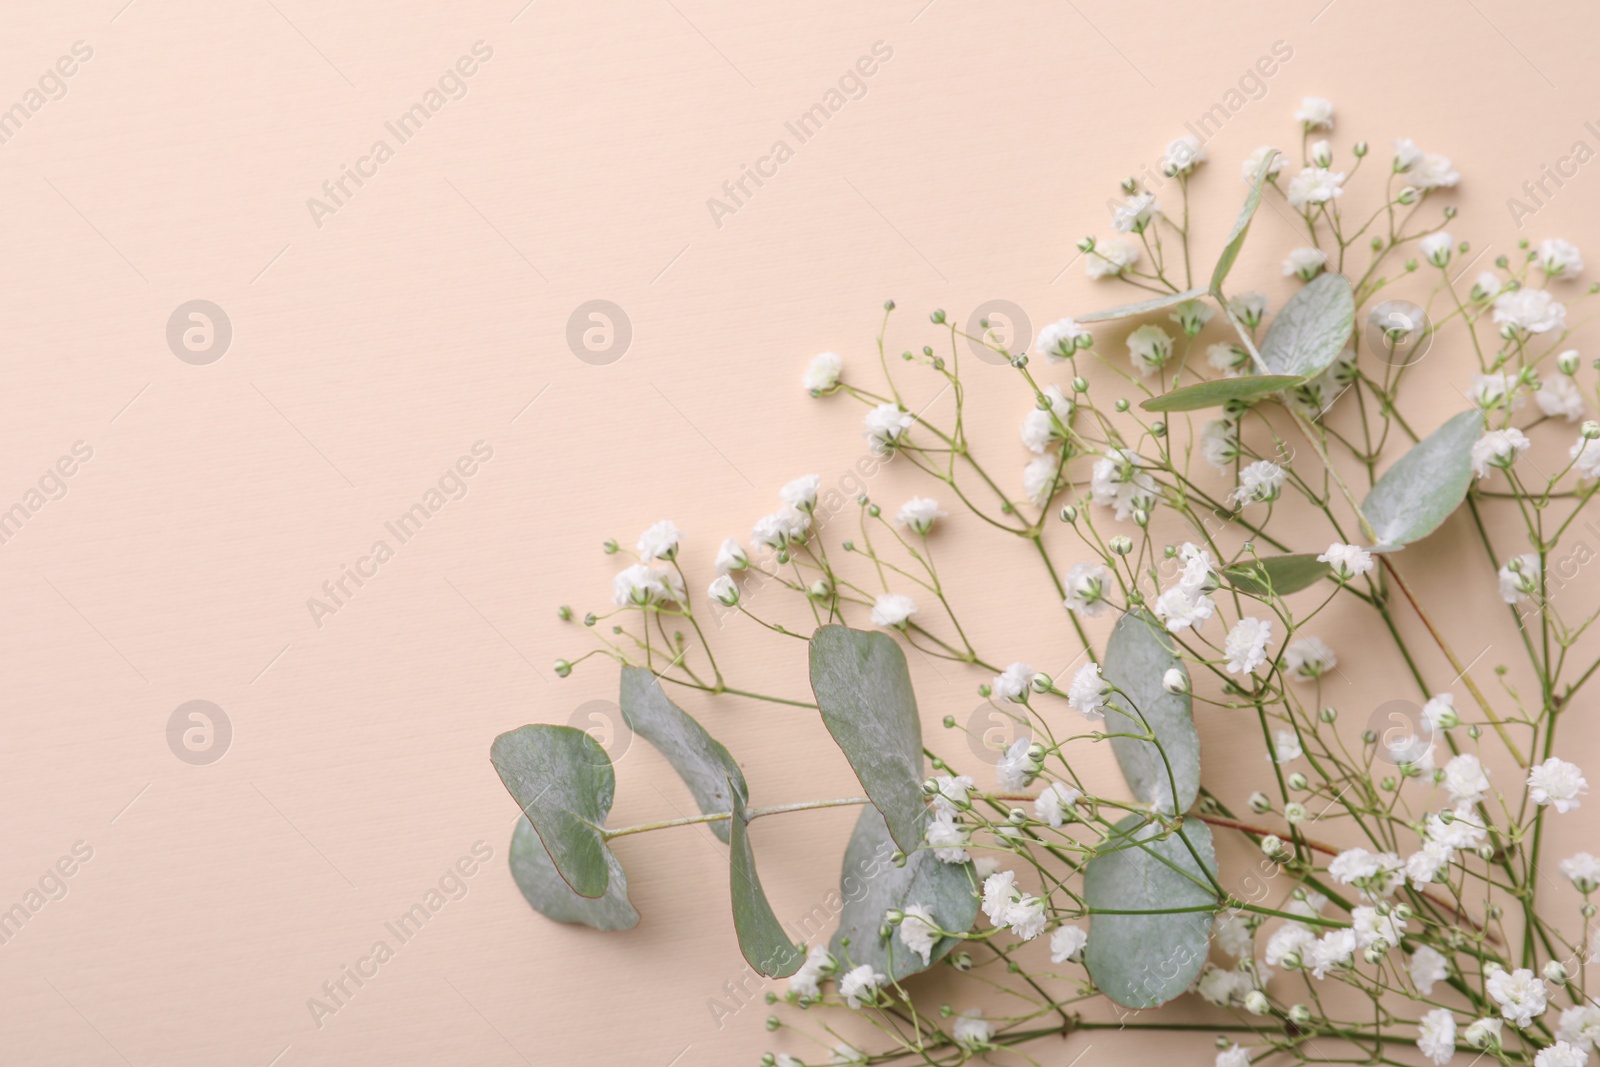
1426,484
700,759
1220,391
869,885
563,781
864,692
1143,307
549,893
1241,226
1141,951
1278,575
1138,654
1311,330
761,937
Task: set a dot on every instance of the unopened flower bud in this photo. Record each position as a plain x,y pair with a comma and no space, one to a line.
1272,846
1069,513
1294,813
1300,1015
1175,681
1590,430
1256,1003
1567,362
1080,384
563,668
1297,781
1555,973
1120,545
1259,803
961,961
1408,195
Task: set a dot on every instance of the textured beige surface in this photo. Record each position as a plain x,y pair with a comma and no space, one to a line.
375,344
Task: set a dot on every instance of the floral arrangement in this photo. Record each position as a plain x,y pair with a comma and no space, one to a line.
1403,903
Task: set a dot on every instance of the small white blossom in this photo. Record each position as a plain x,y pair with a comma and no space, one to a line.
886,424
1086,585
1015,768
1348,561
1059,339
999,893
1088,691
1558,783
1371,926
781,528
731,557
1465,778
1192,315
1257,159
1026,917
822,373
659,541
1118,482
919,513
972,1031
1519,579
1308,658
952,794
1583,870
1043,427
1562,1054
1246,644
1259,482
1314,185
1427,966
1482,1032
1580,1026
642,586
860,984
1248,307
1229,358
1486,286
892,610
1498,449
1406,154
1304,263
1135,213
1183,155
1436,1036
1433,171
1376,874
1067,943
1497,390
1290,938
1436,248
918,931
806,980
1560,398
723,590
1529,311
1520,993
1219,443
1233,1056
1055,804
1040,478
1586,457
1440,712
1109,259
1559,259
1315,113
1149,347
948,838
1331,950
801,494
1014,683
1286,746
1222,987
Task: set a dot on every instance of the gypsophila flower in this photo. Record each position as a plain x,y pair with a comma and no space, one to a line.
1233,1056
1041,478
918,931
1135,213
1440,712
1498,449
1229,358
723,591
1183,155
1376,874
1233,934
1259,482
1580,1026
1086,584
860,985
1520,993
1333,949
1485,287
848,1056
892,610
801,494
952,793
1372,926
948,838
1529,311
1347,561
919,514
1286,746
1149,347
1320,153
781,528
1583,870
999,893
1304,263
1246,644
1016,768
1055,804
1585,455
1436,1036
641,586
1187,604
1491,391
1424,865
1108,259
1436,248
785,1060
1043,427
1026,917
1519,579
1315,113
1118,482
1557,783
972,1031
1559,398
1561,1054
1482,1032
1192,315
1433,171
1067,943
1465,778
1290,939
1219,443
1257,159
659,541
1308,658
1249,307
822,373
1014,683
1427,966
1222,987
886,424
1314,185
806,981
1558,258
1059,339
731,557
1088,691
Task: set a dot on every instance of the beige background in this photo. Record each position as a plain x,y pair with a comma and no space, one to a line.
371,352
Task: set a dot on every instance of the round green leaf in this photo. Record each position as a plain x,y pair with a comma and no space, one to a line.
1311,330
549,893
1277,575
864,692
1143,307
1426,484
1220,391
1138,653
563,781
761,936
700,759
870,884
1142,952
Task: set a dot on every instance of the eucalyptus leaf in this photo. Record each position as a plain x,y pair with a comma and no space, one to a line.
700,759
1241,226
1311,330
761,937
563,781
1142,307
870,884
864,692
1221,391
1138,654
1142,960
1280,575
549,893
1426,484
